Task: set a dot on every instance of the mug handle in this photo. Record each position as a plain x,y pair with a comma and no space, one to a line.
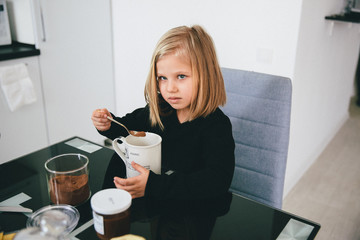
117,149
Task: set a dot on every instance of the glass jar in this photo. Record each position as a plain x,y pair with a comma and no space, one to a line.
111,213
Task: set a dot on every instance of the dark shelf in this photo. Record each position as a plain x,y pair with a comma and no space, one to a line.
347,17
17,50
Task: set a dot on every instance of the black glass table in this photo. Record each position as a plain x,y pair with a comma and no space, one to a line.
23,181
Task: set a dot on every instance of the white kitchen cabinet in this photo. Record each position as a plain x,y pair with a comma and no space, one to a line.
73,75
23,130
76,65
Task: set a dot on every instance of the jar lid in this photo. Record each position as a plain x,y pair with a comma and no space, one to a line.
33,233
55,220
110,201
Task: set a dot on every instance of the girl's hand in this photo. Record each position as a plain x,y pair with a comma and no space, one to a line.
99,119
135,185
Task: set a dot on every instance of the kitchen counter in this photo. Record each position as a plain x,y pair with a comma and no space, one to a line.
17,50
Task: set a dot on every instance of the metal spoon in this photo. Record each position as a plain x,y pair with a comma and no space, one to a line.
134,133
15,209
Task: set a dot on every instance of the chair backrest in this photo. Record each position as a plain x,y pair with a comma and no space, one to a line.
259,106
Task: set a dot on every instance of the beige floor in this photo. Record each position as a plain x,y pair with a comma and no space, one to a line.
329,192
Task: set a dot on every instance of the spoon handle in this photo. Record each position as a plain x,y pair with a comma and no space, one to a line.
111,119
15,209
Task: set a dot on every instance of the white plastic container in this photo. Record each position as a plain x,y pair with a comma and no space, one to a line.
111,213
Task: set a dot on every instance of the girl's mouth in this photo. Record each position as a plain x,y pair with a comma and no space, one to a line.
174,100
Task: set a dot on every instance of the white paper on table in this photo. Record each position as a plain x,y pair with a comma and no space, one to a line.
16,201
83,145
295,230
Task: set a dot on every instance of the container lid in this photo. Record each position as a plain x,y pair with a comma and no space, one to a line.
33,233
110,201
56,220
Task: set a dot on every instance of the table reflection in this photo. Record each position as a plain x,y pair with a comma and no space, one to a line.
172,219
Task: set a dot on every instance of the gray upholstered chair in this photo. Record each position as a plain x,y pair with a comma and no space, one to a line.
258,106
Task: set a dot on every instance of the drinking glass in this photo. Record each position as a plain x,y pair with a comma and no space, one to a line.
67,178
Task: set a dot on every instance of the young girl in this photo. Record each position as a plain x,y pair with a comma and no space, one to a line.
183,91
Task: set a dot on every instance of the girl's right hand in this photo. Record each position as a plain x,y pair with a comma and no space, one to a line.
99,119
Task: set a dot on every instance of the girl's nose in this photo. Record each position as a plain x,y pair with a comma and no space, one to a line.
171,86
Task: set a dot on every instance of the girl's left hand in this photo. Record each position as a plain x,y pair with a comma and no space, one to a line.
135,185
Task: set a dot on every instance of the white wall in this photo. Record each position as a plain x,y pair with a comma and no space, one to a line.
323,83
256,35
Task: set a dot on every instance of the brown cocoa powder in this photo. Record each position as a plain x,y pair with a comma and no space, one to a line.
115,225
67,189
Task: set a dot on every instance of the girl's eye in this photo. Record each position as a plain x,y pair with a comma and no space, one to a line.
181,76
161,78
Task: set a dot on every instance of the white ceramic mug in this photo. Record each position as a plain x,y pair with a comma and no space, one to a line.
145,151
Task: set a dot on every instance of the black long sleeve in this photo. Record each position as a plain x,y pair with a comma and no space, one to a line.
197,156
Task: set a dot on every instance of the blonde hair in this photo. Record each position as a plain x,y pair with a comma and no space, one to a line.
209,90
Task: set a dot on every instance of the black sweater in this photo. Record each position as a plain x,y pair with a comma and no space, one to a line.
199,153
